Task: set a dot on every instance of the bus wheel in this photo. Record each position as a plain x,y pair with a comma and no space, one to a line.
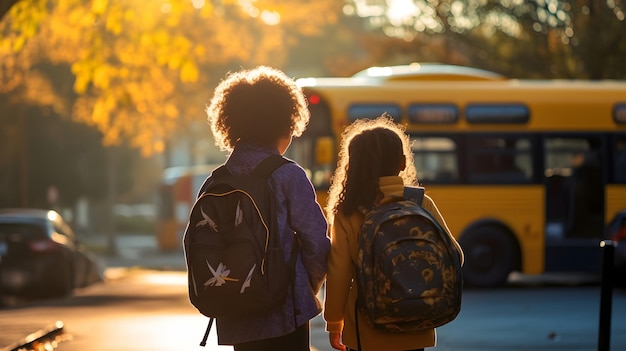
488,257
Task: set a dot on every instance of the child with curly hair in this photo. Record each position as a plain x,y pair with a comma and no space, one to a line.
375,163
254,114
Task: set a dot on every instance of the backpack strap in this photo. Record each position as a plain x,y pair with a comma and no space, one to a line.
220,172
414,193
266,167
206,332
263,170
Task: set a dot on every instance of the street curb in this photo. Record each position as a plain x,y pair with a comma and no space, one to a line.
39,337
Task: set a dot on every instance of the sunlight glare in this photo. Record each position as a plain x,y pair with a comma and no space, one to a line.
165,278
173,332
271,18
249,8
198,4
401,10
365,9
304,82
379,71
166,7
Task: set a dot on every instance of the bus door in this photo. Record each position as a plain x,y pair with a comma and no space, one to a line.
315,150
574,195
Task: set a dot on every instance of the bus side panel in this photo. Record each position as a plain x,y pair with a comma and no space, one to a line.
520,208
615,201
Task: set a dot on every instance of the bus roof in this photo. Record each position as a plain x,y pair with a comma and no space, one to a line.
557,104
429,71
433,73
374,76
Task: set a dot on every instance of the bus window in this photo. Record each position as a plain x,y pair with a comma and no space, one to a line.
433,114
499,160
574,187
561,155
436,160
305,148
619,113
371,111
319,123
497,113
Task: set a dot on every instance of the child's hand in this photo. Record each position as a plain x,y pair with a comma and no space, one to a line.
335,341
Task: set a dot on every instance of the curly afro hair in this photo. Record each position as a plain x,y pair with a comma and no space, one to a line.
257,106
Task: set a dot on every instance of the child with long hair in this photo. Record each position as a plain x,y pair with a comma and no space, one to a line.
375,163
254,114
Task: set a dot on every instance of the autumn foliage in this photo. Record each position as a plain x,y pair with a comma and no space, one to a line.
141,71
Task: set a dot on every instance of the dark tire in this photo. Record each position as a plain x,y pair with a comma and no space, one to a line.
488,257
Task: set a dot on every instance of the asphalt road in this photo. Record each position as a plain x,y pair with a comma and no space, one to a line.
149,310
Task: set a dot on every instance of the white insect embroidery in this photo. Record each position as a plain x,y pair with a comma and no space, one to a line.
238,214
220,276
206,220
246,283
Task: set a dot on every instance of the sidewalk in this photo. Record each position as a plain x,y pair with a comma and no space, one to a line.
136,250
132,251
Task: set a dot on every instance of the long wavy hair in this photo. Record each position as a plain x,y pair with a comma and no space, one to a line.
369,149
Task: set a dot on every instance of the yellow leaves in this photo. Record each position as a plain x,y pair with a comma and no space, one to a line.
39,90
91,72
170,110
98,7
159,147
199,50
207,10
101,76
21,23
18,43
83,77
130,15
180,48
134,106
141,68
173,11
173,59
100,114
115,20
82,20
189,72
303,16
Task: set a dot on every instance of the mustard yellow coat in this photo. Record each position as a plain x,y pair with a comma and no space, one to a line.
341,288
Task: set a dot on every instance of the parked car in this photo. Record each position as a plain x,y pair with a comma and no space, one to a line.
40,255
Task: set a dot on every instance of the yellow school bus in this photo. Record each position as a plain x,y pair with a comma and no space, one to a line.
530,175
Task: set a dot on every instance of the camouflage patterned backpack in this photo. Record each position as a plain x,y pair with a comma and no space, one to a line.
409,271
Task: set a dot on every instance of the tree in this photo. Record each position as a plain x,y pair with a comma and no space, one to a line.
525,39
143,71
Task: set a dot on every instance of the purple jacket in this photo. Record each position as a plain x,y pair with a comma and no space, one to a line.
299,212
